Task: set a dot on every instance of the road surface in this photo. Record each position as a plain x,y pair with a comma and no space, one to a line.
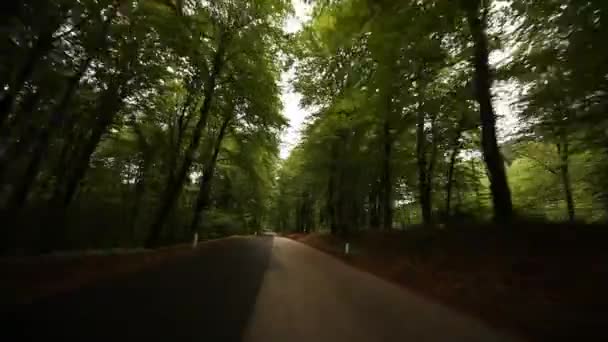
245,289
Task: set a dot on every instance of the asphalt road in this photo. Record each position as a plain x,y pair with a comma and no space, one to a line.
244,289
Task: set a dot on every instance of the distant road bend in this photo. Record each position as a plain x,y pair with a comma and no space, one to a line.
246,289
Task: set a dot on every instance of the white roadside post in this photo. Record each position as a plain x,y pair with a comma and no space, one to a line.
346,248
195,241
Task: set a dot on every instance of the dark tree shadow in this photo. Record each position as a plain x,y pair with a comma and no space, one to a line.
204,298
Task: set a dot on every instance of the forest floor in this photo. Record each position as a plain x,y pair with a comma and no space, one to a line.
543,282
26,279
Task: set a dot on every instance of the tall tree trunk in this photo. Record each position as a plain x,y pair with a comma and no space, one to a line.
142,178
19,195
563,152
386,183
111,105
174,188
343,189
41,47
431,168
332,213
66,156
374,208
449,182
304,214
56,121
452,165
331,205
204,194
140,190
181,125
475,184
11,151
425,203
501,194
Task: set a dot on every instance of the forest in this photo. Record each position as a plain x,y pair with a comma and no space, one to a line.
124,121
448,112
141,122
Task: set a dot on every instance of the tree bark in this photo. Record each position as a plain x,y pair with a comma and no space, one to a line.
140,190
431,167
332,200
142,179
449,183
501,194
386,181
204,194
374,208
425,203
41,47
173,189
56,122
19,195
476,185
109,105
452,165
563,152
304,214
181,124
14,150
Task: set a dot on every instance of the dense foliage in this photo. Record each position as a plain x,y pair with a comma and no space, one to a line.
141,122
405,97
137,121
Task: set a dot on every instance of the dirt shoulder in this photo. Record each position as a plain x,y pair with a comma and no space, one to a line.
545,283
25,279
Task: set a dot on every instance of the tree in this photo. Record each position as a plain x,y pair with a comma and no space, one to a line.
106,103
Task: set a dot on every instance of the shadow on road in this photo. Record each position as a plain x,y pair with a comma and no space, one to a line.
208,297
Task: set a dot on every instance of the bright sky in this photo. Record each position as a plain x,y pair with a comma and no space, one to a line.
291,100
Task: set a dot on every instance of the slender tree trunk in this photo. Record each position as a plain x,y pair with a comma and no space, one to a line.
19,195
331,207
142,177
56,121
64,194
332,213
299,218
304,214
425,204
451,168
204,194
181,125
343,195
24,72
84,159
374,208
140,187
431,169
12,151
173,189
66,156
41,47
387,187
476,185
562,150
310,213
501,194
449,183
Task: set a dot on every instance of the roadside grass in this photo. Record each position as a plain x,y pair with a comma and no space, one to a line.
545,282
